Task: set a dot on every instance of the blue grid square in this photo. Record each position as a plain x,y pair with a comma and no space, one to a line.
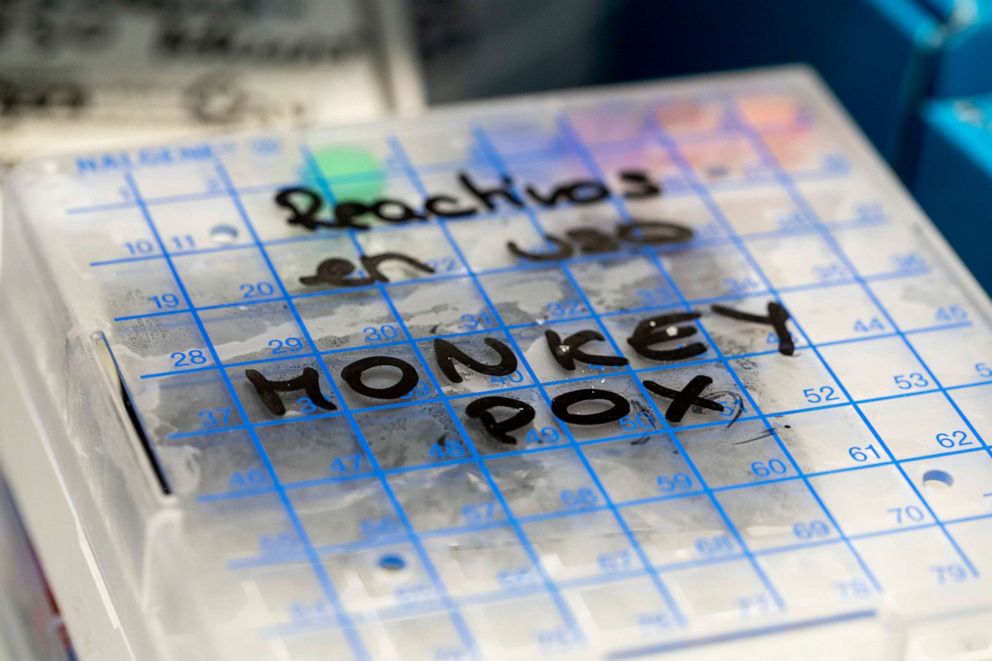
605,548
337,515
241,277
744,453
539,347
716,272
344,320
777,515
250,333
315,450
544,431
614,284
379,378
164,345
220,463
412,435
442,308
681,530
920,425
872,500
534,296
447,497
483,562
172,407
295,403
557,482
641,468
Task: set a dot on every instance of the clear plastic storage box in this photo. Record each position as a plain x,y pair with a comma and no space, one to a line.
603,374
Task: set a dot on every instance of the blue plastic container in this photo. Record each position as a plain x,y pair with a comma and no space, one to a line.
964,67
954,177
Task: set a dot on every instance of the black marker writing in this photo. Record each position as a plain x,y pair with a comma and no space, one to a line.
567,351
308,382
482,409
593,241
486,196
653,232
335,271
619,406
446,206
562,251
683,399
446,353
643,187
372,262
777,318
662,328
352,375
304,204
577,192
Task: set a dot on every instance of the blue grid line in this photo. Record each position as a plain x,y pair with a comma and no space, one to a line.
500,166
552,589
663,590
219,148
787,181
409,610
326,234
597,441
592,166
430,607
298,629
468,640
873,337
323,578
535,559
442,168
564,611
633,435
816,286
567,320
306,484
153,256
389,540
674,152
743,634
797,197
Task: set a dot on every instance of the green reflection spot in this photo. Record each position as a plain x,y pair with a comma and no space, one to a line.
361,176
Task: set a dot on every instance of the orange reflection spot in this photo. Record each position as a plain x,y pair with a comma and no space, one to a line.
768,110
690,117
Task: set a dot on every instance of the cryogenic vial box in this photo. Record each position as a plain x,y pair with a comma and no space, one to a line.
669,367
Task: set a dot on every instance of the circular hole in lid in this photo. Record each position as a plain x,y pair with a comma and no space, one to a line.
392,562
223,234
936,478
